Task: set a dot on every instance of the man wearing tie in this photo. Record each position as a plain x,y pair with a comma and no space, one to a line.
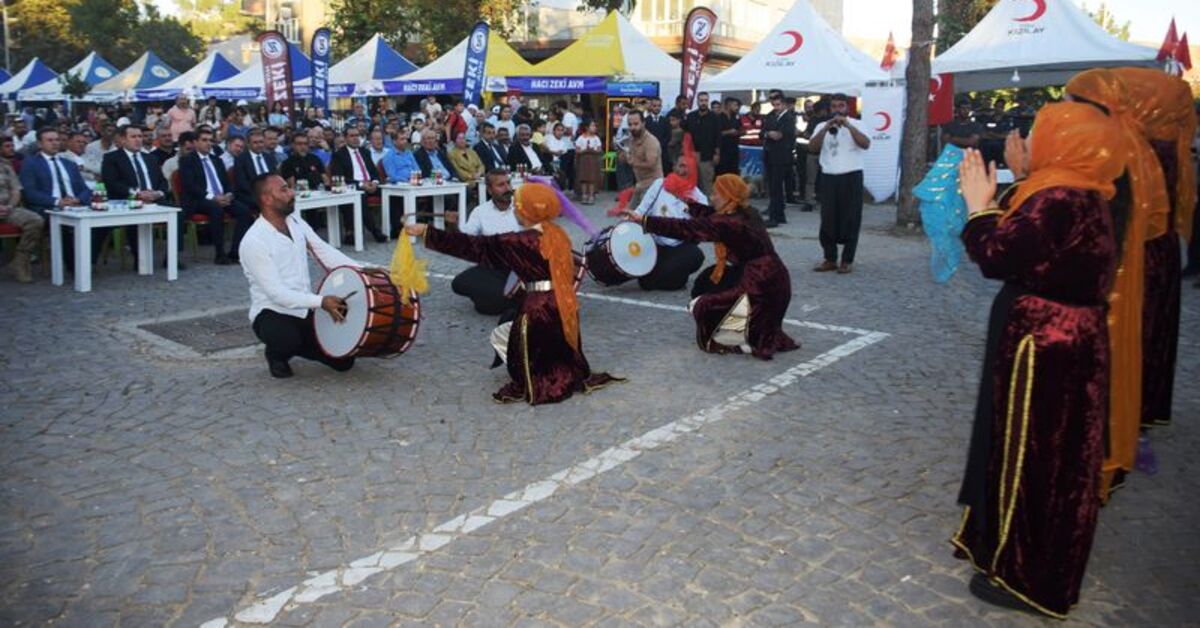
249,165
493,155
205,190
353,162
49,182
128,170
658,126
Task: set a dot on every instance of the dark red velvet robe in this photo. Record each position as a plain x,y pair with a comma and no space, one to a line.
761,276
1032,480
1160,309
543,367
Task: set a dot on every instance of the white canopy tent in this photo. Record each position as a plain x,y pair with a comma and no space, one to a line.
1033,43
362,72
93,69
803,53
214,67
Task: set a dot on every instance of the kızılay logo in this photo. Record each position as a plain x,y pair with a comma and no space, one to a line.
795,41
701,29
478,41
887,121
1038,11
273,48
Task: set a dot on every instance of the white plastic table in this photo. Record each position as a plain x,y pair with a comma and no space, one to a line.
330,201
411,193
84,221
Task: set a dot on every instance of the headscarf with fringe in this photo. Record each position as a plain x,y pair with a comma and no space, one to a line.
537,204
735,195
1163,104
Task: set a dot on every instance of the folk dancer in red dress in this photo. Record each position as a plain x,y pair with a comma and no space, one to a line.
542,348
744,297
1031,487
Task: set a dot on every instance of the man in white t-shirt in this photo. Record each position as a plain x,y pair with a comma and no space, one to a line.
840,145
668,197
483,285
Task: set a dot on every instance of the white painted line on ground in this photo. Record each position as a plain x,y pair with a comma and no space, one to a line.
415,547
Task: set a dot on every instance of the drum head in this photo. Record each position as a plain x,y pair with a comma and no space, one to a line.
633,250
341,339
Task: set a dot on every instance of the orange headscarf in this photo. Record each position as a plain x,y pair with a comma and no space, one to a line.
1105,88
735,194
537,204
1071,145
1163,104
681,187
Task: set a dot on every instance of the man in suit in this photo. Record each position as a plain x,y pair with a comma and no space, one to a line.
491,153
130,170
254,161
204,189
525,153
353,163
432,158
658,126
50,182
779,131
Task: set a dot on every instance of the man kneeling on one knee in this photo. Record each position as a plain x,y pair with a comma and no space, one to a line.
484,285
274,256
669,197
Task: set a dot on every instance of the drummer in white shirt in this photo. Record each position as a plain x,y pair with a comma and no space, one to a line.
669,196
274,256
483,285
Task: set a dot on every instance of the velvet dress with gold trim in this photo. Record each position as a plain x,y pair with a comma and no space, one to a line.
1031,487
1160,318
760,276
544,368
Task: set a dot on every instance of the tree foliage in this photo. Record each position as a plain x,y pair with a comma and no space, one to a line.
74,85
216,19
61,32
1105,18
436,25
625,6
956,18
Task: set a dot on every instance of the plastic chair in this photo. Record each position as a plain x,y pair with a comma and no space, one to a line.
191,234
610,165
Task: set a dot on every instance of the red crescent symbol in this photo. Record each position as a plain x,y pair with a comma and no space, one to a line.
1038,12
797,41
887,120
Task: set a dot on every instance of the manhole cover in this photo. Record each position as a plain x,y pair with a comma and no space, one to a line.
207,334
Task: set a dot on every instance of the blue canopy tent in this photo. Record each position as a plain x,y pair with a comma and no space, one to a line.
4,76
248,84
214,68
34,73
93,69
147,72
362,72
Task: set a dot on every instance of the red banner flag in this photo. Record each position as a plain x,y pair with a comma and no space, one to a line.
697,39
889,54
277,70
1170,43
941,99
1183,53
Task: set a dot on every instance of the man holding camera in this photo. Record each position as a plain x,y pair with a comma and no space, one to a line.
840,145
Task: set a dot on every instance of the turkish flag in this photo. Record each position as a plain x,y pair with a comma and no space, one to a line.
1183,53
889,54
1170,43
941,99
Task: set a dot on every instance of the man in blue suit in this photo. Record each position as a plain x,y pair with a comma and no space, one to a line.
50,182
204,189
254,161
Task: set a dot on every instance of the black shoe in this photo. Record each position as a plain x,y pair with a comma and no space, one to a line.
770,223
379,237
995,595
222,260
340,365
279,369
806,206
233,257
792,200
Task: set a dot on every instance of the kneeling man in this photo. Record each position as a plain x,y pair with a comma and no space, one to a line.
274,256
482,284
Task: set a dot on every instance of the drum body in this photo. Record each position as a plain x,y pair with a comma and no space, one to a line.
378,324
620,253
513,287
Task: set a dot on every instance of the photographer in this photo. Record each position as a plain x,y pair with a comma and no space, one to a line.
840,145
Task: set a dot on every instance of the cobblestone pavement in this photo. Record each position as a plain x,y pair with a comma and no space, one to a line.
140,486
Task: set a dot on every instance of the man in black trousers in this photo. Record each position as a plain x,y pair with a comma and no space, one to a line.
128,170
841,145
779,140
353,163
205,189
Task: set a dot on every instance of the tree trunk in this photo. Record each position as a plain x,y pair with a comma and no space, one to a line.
913,142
